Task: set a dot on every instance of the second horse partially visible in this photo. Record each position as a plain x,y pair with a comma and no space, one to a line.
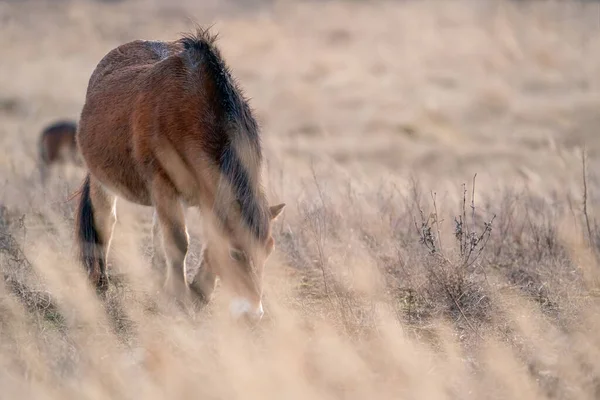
57,145
166,125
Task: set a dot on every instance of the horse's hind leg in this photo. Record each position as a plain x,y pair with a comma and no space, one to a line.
96,218
171,218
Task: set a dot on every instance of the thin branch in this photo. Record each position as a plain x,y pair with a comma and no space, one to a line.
465,231
473,198
488,230
585,193
320,232
437,220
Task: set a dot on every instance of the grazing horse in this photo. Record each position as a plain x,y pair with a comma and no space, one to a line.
57,145
166,125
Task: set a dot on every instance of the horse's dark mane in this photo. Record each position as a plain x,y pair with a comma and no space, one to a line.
204,54
235,125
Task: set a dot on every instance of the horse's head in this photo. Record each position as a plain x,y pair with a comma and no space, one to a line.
239,262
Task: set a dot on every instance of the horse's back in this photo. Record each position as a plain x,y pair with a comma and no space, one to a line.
117,81
130,60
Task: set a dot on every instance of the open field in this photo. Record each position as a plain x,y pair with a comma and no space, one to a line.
397,273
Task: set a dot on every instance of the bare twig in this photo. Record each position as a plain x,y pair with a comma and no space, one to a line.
473,198
465,225
424,232
437,220
320,232
471,238
487,230
585,194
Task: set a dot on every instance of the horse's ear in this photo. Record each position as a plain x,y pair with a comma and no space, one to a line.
276,210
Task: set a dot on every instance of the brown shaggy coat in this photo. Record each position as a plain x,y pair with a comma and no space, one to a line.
165,125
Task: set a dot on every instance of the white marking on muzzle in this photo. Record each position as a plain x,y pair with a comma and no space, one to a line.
240,306
260,312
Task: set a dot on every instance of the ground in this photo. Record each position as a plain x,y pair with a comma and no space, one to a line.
440,236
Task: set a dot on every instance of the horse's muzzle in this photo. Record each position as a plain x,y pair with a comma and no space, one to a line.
241,308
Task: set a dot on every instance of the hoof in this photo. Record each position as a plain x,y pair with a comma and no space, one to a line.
200,296
102,284
203,286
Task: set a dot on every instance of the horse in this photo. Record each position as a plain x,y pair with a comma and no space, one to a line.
166,125
57,145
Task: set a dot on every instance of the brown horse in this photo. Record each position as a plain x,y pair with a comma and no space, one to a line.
166,125
57,145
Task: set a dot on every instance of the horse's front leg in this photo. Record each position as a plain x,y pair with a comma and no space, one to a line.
171,219
158,255
203,284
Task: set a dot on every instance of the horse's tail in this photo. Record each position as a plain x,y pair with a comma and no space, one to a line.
87,236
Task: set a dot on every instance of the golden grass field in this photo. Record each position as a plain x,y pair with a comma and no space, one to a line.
391,279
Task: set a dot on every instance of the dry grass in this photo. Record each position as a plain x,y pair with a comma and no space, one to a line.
397,274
